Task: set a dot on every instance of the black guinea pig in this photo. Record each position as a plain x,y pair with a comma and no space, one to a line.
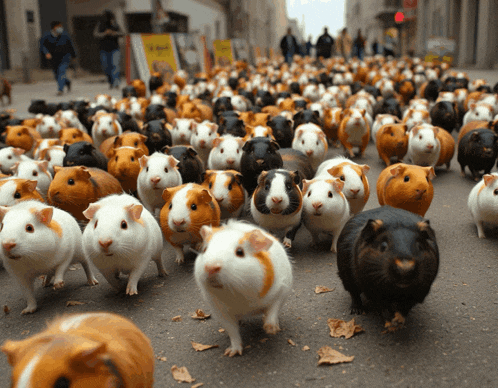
37,107
171,99
295,160
154,112
158,135
84,153
128,123
51,108
495,88
258,154
66,105
189,164
306,116
264,98
388,106
484,89
478,150
154,83
444,114
300,104
233,82
221,104
247,94
295,88
390,256
231,125
432,89
282,131
129,91
283,95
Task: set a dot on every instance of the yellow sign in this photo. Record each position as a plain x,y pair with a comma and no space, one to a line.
223,52
160,55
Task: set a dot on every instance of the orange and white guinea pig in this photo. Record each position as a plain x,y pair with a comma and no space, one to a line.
105,125
73,135
124,165
392,141
20,136
226,187
354,131
127,139
95,349
16,190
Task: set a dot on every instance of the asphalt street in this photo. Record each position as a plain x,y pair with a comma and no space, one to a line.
451,340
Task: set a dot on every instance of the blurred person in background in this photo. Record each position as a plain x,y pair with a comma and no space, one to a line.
345,44
359,45
289,46
324,45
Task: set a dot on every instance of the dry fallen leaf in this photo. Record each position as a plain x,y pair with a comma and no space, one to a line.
199,314
178,318
331,356
181,374
322,289
6,309
161,358
291,342
197,385
339,328
158,285
200,347
305,348
73,303
221,330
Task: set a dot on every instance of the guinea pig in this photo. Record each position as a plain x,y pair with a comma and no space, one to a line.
390,256
414,117
187,208
277,203
444,115
354,131
37,239
482,202
406,186
447,148
222,104
331,121
74,188
54,156
423,145
19,136
226,153
226,188
476,125
181,131
36,171
306,116
189,163
157,172
158,135
242,270
325,209
105,125
282,131
311,140
124,165
84,153
294,160
258,154
127,139
42,144
122,237
94,349
202,139
154,112
9,156
478,111
16,190
69,118
392,141
231,125
478,150
258,131
356,187
48,127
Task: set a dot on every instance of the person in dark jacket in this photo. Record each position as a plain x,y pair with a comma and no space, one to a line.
108,32
289,46
324,45
58,48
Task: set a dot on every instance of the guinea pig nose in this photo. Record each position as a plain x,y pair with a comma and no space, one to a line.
430,147
309,152
260,162
179,223
276,199
212,269
219,199
8,246
404,265
230,161
155,180
317,205
202,143
354,192
105,244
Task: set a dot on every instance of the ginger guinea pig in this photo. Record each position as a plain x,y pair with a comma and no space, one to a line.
95,349
74,188
19,136
406,186
354,131
447,148
73,135
392,141
226,187
127,139
14,190
187,208
124,165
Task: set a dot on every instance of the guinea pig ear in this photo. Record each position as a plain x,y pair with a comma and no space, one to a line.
334,170
169,127
296,178
306,184
165,150
262,177
365,168
397,171
111,153
3,212
338,185
118,141
193,125
247,147
404,127
299,133
86,355
175,122
206,232
65,148
29,185
475,136
424,226
143,161
385,128
205,196
415,130
57,169
84,173
90,211
274,145
430,172
436,130
18,151
43,165
371,229
135,212
191,152
216,141
44,215
489,178
14,167
167,194
258,241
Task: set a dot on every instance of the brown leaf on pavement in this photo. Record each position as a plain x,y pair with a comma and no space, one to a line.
291,342
199,314
339,328
181,374
197,385
331,356
323,289
164,359
6,309
73,303
305,348
200,347
178,318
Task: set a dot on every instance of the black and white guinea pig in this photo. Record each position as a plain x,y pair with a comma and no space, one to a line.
190,165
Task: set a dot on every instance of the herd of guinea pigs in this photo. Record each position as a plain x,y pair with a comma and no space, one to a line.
116,183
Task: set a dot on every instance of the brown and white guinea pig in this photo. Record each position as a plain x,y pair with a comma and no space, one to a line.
311,141
73,135
124,165
478,111
54,156
16,190
242,271
277,203
127,139
93,349
181,131
447,148
406,186
104,126
42,144
258,131
226,153
103,100
413,117
187,208
48,127
35,170
202,139
354,131
74,188
380,120
9,156
226,187
331,121
69,118
392,141
20,136
356,187
140,87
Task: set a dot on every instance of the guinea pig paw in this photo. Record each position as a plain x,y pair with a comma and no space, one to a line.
131,290
28,310
58,284
46,281
271,328
287,242
398,322
93,281
233,350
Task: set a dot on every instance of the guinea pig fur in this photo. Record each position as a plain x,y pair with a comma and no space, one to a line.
181,131
9,156
277,203
282,131
19,136
190,165
311,141
226,153
34,170
48,127
187,208
226,188
73,135
94,349
127,139
406,187
242,271
122,236
105,125
124,165
478,150
478,111
423,145
483,202
202,139
15,190
391,257
381,120
392,141
85,154
37,239
157,172
158,135
414,117
447,148
325,209
354,130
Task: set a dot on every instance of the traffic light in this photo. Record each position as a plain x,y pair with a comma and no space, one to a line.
399,17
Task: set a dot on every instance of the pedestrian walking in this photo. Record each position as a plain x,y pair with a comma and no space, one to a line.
309,46
289,46
108,31
57,46
359,45
389,44
345,43
324,45
375,47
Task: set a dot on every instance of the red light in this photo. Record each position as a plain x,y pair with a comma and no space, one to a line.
398,17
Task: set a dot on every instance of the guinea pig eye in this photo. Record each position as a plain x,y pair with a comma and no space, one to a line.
222,150
193,206
330,194
35,173
166,170
81,152
30,228
383,246
116,158
407,179
239,252
146,169
302,141
210,185
132,159
267,187
230,187
70,182
288,187
124,224
342,178
317,143
9,157
136,143
170,206
95,225
238,151
62,382
392,134
495,192
309,193
19,134
420,137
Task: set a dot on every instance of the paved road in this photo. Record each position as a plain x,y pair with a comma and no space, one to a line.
450,341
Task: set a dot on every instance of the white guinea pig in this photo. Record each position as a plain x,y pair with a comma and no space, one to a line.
311,141
483,202
226,187
478,111
9,156
242,271
202,139
70,119
414,117
158,172
325,208
181,131
423,146
240,103
37,239
226,153
54,156
105,125
36,171
122,236
380,120
48,127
